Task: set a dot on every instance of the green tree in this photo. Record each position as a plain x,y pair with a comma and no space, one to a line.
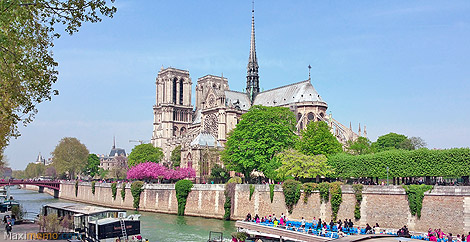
417,143
390,141
317,139
219,173
298,165
261,133
360,146
102,173
27,67
176,157
92,166
34,170
70,156
143,153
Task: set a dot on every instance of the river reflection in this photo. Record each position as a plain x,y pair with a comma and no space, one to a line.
156,227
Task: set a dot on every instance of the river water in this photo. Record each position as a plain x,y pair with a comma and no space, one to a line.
154,226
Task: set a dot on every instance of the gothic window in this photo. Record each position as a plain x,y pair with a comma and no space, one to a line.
299,116
210,124
321,114
311,117
183,130
175,131
181,116
174,115
181,91
174,90
211,101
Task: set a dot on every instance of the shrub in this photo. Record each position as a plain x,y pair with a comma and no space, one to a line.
336,198
182,187
17,211
308,188
415,197
271,192
93,183
324,189
358,194
136,190
123,191
114,190
76,188
240,236
252,190
235,179
229,193
291,189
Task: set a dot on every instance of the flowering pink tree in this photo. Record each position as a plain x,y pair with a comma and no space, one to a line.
151,170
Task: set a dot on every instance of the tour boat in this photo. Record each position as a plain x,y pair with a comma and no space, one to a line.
97,223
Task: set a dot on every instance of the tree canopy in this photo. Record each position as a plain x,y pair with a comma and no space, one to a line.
403,163
298,165
361,146
398,141
261,133
70,156
143,153
317,139
34,170
92,166
176,156
27,67
390,141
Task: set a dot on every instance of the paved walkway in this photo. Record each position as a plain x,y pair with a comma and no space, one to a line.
20,231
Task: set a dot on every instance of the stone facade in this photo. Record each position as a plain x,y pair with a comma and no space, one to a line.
443,207
218,110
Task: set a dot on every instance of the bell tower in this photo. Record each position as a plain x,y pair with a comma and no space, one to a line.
173,110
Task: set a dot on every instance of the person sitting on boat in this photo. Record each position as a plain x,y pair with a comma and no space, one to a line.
275,222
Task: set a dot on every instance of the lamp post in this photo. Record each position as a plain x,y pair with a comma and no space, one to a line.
387,175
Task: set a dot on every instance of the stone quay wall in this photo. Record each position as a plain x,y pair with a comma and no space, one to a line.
444,207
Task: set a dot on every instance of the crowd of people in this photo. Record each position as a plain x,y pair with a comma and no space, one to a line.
346,227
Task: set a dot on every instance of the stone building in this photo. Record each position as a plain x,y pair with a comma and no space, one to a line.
117,158
201,130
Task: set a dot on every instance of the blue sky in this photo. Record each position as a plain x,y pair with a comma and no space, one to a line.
395,66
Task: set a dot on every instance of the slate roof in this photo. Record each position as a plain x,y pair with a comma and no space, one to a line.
117,152
297,92
239,99
205,139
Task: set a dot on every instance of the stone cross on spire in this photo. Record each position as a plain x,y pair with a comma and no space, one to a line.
252,78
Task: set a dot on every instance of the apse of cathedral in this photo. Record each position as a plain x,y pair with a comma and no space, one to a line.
201,131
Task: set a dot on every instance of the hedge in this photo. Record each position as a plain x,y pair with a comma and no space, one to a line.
403,163
182,187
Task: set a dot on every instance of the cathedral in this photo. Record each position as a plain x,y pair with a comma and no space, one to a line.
201,130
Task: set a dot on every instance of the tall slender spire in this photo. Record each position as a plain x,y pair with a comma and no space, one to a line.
114,142
252,78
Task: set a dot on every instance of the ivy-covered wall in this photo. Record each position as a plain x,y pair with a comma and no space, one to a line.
388,206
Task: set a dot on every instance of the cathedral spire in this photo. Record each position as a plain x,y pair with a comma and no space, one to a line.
252,78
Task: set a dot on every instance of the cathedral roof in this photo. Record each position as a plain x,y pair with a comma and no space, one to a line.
294,93
237,99
205,139
117,152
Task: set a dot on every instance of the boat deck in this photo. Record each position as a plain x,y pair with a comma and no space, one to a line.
282,233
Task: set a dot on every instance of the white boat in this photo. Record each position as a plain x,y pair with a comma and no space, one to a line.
97,223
